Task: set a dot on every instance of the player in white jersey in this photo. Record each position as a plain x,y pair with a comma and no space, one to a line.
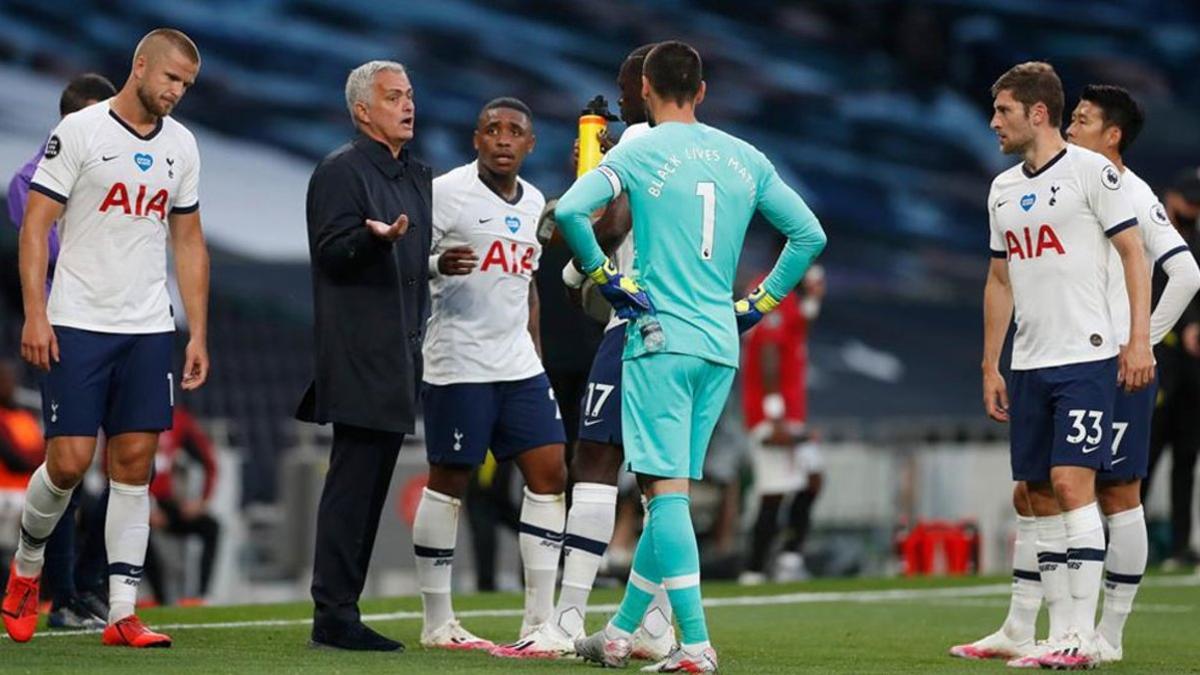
484,385
116,176
596,465
1107,120
1051,218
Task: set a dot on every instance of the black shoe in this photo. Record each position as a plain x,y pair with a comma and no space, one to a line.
95,604
353,636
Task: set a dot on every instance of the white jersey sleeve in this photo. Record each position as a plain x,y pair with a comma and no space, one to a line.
66,151
187,199
1102,186
1162,244
996,244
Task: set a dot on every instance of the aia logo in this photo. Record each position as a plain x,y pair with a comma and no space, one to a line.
515,259
118,198
1034,245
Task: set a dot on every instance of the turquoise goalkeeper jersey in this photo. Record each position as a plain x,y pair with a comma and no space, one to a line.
692,191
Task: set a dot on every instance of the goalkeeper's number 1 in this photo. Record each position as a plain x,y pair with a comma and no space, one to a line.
707,191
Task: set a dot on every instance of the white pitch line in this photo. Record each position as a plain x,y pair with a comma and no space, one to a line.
894,595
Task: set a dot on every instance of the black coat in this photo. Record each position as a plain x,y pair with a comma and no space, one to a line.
371,297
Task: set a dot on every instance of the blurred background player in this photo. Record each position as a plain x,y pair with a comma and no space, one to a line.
485,251
1067,352
787,462
105,337
70,607
596,465
22,450
680,172
1176,424
1107,120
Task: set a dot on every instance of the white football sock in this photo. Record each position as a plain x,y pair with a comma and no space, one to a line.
1021,624
1125,564
435,531
44,505
1085,563
590,525
126,532
543,518
1052,565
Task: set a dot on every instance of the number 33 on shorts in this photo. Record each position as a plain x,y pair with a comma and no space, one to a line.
1087,426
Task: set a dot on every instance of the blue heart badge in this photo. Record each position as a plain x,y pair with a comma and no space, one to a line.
1027,201
143,161
513,223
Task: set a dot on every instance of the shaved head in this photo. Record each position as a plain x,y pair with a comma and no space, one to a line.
162,41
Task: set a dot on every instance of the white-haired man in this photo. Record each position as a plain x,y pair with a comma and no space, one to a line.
369,231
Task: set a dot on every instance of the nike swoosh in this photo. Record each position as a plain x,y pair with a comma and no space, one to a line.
1119,460
590,423
1001,203
484,220
108,159
1087,450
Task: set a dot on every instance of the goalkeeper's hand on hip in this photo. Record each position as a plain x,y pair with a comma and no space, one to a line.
752,308
627,298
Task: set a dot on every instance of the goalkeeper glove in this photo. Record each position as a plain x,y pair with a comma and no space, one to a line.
751,309
627,298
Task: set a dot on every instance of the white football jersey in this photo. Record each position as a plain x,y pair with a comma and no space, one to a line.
1053,227
119,188
623,257
1162,241
478,327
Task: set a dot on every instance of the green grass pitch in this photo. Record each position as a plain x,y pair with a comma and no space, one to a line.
835,626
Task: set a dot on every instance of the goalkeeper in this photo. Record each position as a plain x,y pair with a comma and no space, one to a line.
692,190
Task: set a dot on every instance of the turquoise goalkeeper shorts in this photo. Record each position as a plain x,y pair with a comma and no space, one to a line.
669,406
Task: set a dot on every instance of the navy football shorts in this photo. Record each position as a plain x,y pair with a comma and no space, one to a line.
1062,416
600,418
1132,414
119,382
463,421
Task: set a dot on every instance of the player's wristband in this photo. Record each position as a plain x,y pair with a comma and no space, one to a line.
572,277
433,266
761,300
773,406
604,272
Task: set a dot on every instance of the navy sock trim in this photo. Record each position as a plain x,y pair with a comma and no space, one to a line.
427,552
1052,557
584,544
1133,579
542,532
30,540
1089,554
1027,575
124,570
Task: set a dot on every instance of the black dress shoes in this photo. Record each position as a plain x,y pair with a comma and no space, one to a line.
352,636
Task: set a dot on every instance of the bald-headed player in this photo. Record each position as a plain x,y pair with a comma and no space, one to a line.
116,176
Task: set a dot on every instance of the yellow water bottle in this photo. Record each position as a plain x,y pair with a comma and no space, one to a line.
592,121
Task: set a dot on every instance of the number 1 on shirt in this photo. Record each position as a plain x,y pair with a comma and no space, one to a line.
707,191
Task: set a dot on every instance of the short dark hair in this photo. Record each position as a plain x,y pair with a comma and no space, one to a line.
1119,108
82,89
675,71
508,102
1034,82
639,54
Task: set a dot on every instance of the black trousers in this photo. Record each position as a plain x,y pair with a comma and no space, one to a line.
356,487
1176,425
